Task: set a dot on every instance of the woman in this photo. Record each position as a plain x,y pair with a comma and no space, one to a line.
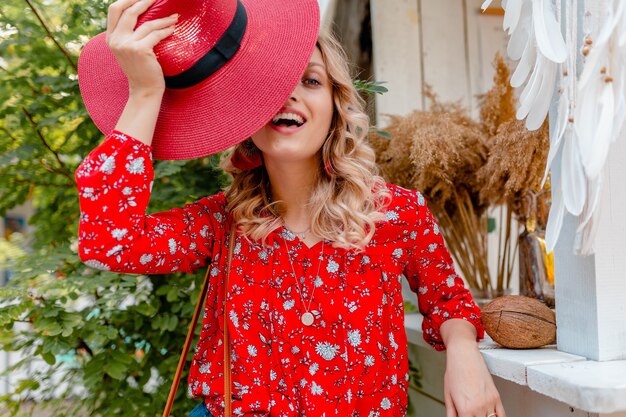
314,302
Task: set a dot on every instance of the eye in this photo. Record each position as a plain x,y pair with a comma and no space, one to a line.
311,81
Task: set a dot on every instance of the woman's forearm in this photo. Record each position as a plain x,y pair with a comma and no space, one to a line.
458,331
140,115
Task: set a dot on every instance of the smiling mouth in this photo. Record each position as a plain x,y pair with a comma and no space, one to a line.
288,120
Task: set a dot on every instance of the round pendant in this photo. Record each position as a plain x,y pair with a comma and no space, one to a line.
307,319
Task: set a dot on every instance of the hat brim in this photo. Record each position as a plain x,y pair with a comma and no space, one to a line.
235,102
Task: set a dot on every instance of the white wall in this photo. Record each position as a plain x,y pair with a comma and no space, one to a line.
447,44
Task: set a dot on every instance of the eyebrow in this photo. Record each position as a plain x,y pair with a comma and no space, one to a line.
316,64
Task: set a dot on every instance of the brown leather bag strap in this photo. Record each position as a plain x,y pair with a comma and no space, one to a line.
192,327
227,381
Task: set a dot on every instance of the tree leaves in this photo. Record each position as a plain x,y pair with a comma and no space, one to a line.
370,87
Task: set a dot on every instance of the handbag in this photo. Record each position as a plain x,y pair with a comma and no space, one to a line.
192,326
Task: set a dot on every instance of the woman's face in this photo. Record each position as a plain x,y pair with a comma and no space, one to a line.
299,129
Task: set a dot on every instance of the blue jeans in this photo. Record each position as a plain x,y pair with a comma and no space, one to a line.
200,411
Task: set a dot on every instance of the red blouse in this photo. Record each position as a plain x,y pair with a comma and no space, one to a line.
351,362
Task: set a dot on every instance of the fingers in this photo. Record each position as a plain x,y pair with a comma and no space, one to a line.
450,409
156,25
124,12
156,36
495,408
134,50
500,409
489,406
128,19
115,11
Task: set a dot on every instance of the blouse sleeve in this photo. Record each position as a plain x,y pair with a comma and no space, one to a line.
430,271
114,184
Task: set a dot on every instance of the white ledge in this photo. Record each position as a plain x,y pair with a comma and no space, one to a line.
596,387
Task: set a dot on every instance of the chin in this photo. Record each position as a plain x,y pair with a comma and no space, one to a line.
300,145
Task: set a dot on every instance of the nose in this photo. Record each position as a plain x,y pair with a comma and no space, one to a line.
294,97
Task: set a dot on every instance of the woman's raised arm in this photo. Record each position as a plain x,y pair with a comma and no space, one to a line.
134,51
114,182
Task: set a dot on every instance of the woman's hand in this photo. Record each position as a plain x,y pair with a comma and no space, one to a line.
468,386
134,49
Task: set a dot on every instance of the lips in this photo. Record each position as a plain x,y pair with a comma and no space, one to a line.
288,120
286,130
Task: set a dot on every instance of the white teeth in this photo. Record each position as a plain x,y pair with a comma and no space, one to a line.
288,116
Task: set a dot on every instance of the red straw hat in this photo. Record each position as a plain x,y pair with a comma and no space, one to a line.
229,67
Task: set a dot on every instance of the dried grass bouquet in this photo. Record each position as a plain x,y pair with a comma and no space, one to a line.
464,167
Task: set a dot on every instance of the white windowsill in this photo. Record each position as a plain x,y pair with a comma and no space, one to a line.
597,387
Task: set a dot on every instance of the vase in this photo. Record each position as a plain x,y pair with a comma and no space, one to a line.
536,268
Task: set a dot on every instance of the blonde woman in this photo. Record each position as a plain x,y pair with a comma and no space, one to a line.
314,304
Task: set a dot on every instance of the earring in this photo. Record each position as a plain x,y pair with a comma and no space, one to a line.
246,156
328,167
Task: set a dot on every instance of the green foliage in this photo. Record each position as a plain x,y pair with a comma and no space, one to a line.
409,307
117,337
370,87
415,383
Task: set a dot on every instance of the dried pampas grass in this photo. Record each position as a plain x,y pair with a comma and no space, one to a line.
464,166
497,106
517,156
437,152
392,155
516,163
446,156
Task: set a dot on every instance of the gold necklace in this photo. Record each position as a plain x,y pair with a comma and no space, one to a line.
307,317
301,235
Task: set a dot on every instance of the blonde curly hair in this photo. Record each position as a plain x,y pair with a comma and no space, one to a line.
346,203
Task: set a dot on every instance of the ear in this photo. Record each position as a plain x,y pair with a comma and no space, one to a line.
246,156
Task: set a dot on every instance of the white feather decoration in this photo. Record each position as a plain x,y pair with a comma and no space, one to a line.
557,209
595,159
599,53
541,102
596,114
536,42
537,94
522,37
557,130
573,179
532,88
513,14
486,4
593,200
601,109
587,116
619,69
588,226
548,31
596,110
525,65
590,113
